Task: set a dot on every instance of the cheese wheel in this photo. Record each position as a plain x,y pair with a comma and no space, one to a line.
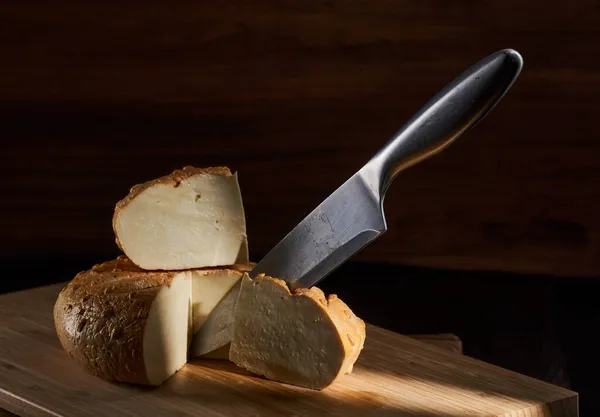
125,324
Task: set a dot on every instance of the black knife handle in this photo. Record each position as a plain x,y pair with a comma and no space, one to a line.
450,113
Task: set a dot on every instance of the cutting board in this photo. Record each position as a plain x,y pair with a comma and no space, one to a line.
394,376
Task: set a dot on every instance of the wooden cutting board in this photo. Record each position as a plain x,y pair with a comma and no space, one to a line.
394,376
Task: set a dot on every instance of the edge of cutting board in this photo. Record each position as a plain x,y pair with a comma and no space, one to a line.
395,375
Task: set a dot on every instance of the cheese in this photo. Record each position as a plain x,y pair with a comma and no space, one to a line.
191,218
132,319
209,286
299,337
125,324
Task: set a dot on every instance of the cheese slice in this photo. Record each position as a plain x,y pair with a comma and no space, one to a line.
209,286
297,337
191,218
125,324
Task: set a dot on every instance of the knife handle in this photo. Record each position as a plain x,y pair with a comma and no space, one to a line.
450,113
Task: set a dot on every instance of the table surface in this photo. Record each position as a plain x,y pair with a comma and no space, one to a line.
395,375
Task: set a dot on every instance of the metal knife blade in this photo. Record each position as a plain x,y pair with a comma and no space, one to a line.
352,216
346,221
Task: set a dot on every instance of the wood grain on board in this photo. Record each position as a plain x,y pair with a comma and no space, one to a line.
98,96
446,341
395,375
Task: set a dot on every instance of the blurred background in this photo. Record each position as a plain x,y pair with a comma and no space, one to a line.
496,239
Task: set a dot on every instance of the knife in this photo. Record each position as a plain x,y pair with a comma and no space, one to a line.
352,216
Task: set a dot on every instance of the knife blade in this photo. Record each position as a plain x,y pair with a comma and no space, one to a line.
352,216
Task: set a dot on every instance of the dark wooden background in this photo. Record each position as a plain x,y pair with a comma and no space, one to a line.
296,96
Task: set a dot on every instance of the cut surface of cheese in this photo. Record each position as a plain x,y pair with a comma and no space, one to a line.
209,286
191,218
167,330
125,324
300,337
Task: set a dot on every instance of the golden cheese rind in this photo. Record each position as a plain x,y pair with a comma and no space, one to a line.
100,318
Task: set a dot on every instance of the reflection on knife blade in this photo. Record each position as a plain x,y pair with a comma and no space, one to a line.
352,217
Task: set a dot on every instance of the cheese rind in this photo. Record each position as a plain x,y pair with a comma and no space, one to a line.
299,337
125,324
191,218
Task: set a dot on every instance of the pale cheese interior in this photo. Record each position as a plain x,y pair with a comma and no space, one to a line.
285,338
208,288
166,335
198,223
170,324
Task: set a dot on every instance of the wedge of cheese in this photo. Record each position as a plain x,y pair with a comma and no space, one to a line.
126,324
209,286
191,218
297,337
